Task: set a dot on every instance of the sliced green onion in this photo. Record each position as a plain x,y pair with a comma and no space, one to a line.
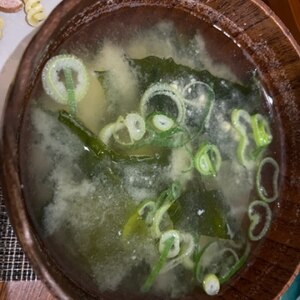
174,251
69,83
156,269
162,122
120,129
52,84
236,117
260,188
187,247
147,212
164,90
208,159
136,126
201,97
106,133
158,218
212,257
141,217
211,284
133,124
261,130
175,190
255,219
96,146
240,262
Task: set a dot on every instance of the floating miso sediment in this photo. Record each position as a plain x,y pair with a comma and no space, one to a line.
149,162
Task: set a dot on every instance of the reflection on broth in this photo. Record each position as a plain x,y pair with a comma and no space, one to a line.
148,158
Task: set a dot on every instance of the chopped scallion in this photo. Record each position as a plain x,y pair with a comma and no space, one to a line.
211,284
208,159
256,218
157,267
261,130
263,194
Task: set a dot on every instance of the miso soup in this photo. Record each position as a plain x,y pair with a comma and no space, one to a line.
149,165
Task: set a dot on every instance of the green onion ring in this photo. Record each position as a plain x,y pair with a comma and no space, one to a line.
260,189
208,159
236,115
162,122
56,88
261,130
187,247
255,219
174,251
211,284
166,90
157,267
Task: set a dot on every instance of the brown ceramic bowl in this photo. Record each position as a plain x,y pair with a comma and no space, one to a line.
275,54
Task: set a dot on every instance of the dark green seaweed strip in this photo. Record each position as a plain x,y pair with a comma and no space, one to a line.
151,69
95,145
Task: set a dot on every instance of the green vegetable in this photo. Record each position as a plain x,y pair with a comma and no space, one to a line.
140,219
255,219
240,119
225,277
69,83
151,213
212,259
95,145
261,130
157,267
186,247
206,210
56,89
208,159
162,122
151,69
159,90
211,284
263,194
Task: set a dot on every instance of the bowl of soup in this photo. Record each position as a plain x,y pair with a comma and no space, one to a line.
150,151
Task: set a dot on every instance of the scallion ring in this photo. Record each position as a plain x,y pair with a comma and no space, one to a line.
136,126
157,267
157,219
187,247
106,133
201,96
239,263
164,90
52,84
260,188
237,116
211,284
174,251
261,130
147,212
208,159
162,122
255,219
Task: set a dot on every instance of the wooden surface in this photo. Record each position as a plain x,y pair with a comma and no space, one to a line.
24,290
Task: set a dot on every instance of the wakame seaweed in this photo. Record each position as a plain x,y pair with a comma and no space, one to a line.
153,69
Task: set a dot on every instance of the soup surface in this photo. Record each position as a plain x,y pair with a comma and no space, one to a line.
150,165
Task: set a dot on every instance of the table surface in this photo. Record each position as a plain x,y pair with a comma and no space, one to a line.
35,290
24,290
